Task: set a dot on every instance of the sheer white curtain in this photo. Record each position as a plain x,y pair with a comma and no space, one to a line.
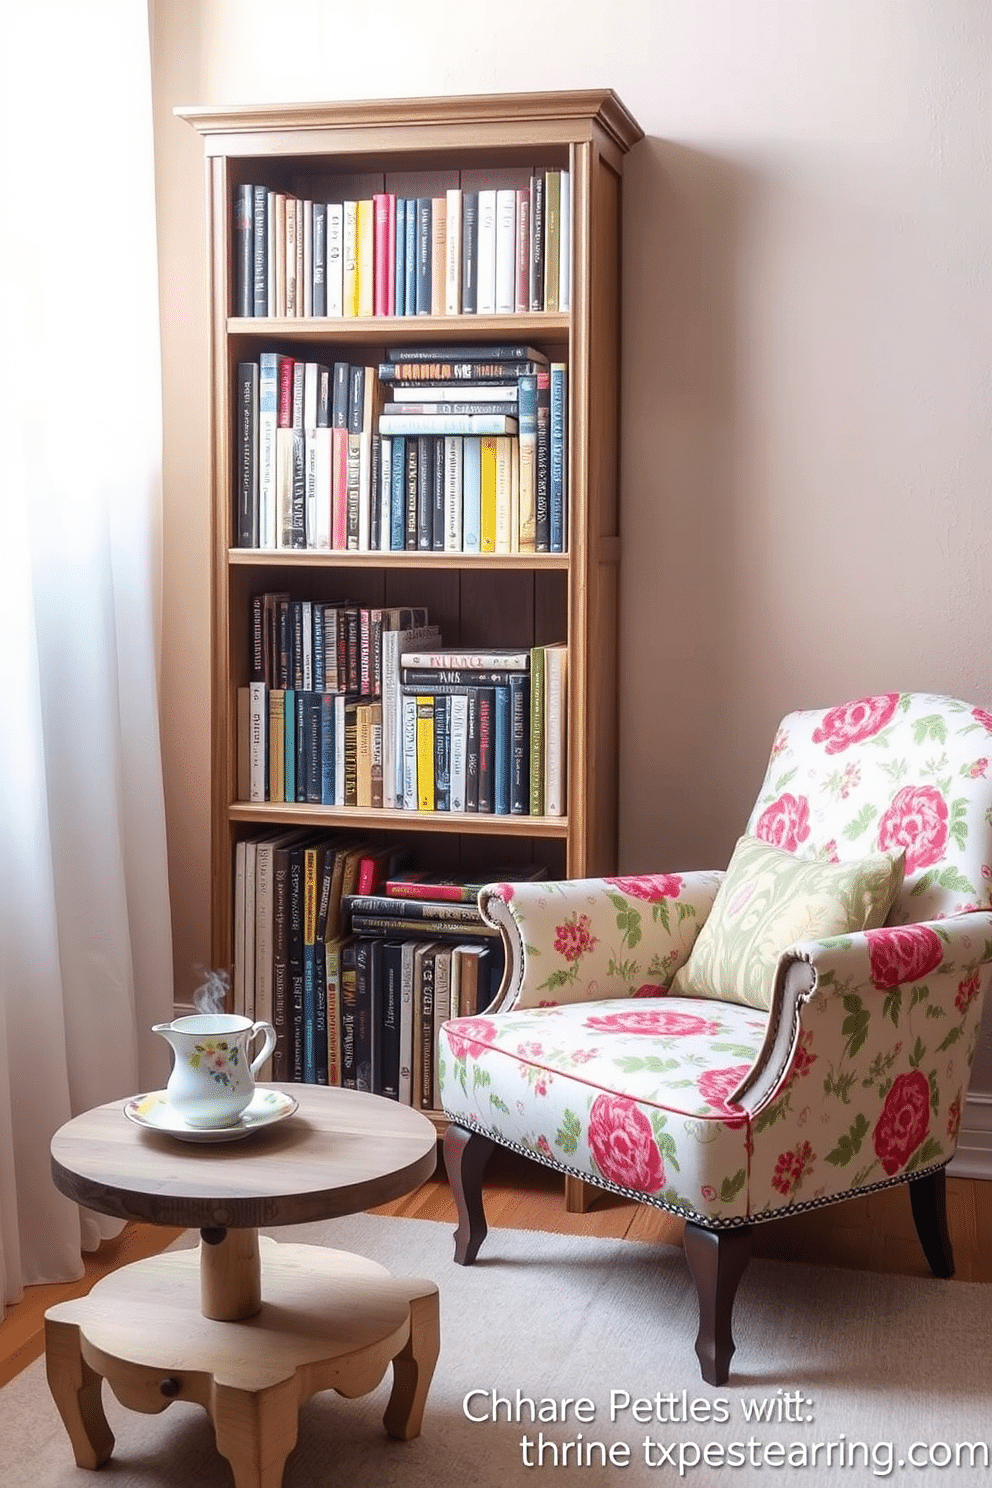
85,949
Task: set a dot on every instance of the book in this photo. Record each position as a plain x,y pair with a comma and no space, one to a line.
442,997
447,423
419,884
488,352
423,961
406,1055
519,732
365,252
537,241
368,953
453,252
425,752
508,658
552,245
258,734
418,911
334,272
423,258
458,728
247,529
453,508
348,1012
319,258
437,406
240,854
271,225
384,207
349,258
471,493
486,254
332,987
565,243
277,275
442,753
410,259
497,373
493,397
439,253
312,992
386,1078
536,758
277,744
527,405
244,234
558,459
470,237
555,722
521,284
506,528
487,748
501,751
542,465
452,679
269,377
505,251
289,259
487,495
260,246
307,247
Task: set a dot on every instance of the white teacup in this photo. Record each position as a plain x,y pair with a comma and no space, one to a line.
212,1080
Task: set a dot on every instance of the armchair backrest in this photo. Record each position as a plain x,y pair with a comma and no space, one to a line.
895,770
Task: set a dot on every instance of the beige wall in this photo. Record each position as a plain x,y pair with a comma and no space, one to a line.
807,405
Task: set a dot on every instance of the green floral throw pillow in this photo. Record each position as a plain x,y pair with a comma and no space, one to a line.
769,900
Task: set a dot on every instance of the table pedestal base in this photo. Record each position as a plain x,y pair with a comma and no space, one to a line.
329,1320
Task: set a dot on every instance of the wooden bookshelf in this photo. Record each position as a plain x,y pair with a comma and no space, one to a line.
506,599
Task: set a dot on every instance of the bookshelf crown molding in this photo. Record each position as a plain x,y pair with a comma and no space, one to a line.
579,110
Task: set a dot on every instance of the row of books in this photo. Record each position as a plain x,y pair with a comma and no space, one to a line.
449,461
354,983
477,732
499,250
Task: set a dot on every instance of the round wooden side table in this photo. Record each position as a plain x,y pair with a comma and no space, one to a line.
248,1331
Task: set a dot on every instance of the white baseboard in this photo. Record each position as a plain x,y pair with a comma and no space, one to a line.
973,1158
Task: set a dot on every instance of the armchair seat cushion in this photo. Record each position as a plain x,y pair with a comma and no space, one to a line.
630,1092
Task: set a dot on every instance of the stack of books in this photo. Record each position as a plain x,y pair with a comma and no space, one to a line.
503,249
445,448
354,978
361,707
319,720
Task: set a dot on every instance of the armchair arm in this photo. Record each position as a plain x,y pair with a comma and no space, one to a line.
582,939
890,1020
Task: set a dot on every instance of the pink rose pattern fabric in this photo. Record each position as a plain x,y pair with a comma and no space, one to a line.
854,722
874,1086
590,1064
892,770
587,939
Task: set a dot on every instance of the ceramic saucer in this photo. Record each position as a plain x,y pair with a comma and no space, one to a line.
154,1112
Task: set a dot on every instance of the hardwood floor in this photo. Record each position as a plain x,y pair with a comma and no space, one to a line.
872,1233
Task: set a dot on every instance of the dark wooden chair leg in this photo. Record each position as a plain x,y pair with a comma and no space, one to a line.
928,1197
465,1156
717,1259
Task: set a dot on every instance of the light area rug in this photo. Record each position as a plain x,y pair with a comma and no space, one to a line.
858,1371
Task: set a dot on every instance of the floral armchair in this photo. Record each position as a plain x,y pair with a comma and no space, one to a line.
842,1070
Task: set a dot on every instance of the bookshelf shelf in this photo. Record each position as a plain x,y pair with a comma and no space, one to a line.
325,558
336,153
399,823
389,330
